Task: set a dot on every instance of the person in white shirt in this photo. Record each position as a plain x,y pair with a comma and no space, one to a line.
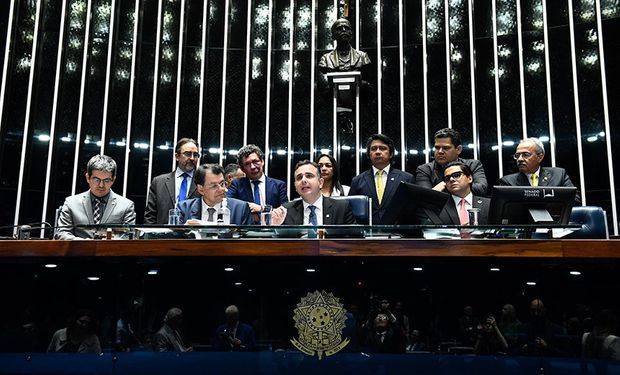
313,208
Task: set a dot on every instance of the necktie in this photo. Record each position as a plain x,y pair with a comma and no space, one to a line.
256,192
183,189
97,211
312,217
534,178
211,211
379,183
463,215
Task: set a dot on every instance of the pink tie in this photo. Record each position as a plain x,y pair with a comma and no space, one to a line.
463,215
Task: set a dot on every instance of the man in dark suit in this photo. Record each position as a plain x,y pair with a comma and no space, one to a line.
313,208
234,335
168,189
98,205
459,180
529,156
381,181
447,149
211,185
256,188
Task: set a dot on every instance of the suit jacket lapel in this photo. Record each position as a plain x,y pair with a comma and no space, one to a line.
391,184
328,211
195,211
453,214
522,180
88,207
544,178
171,187
245,191
370,181
109,207
297,213
269,189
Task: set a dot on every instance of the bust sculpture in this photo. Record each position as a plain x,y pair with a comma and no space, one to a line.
344,57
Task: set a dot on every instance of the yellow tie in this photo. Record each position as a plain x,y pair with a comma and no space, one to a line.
379,183
534,178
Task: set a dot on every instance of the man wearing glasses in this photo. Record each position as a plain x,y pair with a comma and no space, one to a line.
211,185
530,154
459,179
167,190
256,188
98,205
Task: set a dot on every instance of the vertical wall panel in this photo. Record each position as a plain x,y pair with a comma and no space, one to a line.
436,59
323,103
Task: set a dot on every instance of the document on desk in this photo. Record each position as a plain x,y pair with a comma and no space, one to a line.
441,233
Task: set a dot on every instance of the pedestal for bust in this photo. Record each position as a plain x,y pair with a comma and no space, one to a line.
346,96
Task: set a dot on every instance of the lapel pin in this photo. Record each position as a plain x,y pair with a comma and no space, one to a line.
327,215
392,179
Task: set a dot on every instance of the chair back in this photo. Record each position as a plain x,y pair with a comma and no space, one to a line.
593,222
360,207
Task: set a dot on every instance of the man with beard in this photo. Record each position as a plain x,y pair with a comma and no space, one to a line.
529,156
168,189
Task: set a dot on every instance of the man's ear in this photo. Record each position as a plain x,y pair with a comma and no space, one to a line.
459,149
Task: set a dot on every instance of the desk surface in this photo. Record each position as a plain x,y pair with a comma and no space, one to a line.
282,247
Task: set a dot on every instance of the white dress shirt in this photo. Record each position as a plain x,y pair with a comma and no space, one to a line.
318,211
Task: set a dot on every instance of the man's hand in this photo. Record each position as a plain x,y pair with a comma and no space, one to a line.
278,215
255,208
440,186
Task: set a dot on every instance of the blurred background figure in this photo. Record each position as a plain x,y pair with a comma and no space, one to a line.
331,177
168,338
601,343
490,339
79,335
234,336
232,172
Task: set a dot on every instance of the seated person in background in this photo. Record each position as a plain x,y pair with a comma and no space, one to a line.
459,180
529,156
256,188
79,335
541,334
168,338
98,205
313,208
234,336
211,186
510,326
331,177
490,340
447,149
385,336
601,343
232,172
381,181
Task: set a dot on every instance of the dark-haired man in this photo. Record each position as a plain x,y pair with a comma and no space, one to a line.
381,181
168,189
313,208
98,205
447,149
232,172
459,180
256,188
211,185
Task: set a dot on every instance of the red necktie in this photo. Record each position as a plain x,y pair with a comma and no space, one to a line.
463,215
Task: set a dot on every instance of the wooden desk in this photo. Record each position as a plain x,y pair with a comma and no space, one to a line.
286,247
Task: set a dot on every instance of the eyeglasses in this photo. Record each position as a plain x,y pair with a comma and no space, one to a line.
189,154
98,181
221,185
252,162
455,175
526,155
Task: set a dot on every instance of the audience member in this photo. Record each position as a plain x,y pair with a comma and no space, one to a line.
541,334
256,188
601,343
385,336
331,177
467,326
417,343
168,338
234,335
510,326
79,335
98,205
381,181
529,156
232,172
313,208
447,149
168,189
490,339
211,186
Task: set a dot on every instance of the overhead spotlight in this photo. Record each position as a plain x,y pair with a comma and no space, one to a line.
530,283
418,269
494,269
93,278
51,265
229,269
575,273
238,283
310,270
152,272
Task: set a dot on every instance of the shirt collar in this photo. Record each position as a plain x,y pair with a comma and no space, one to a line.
469,198
261,179
103,199
386,170
178,172
529,175
318,203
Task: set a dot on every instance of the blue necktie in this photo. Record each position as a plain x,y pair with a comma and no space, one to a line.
312,217
183,189
256,192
